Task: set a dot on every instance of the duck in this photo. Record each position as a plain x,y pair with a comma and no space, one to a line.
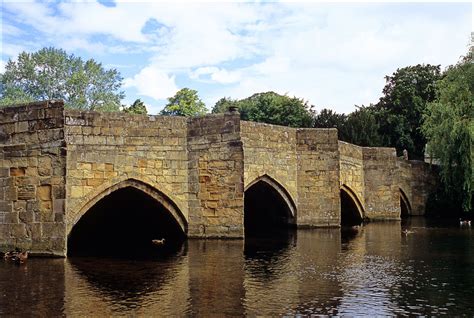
20,257
406,232
158,242
464,222
8,255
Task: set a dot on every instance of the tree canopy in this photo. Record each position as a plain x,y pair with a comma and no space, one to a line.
138,107
271,108
362,127
185,102
449,128
327,118
406,94
53,74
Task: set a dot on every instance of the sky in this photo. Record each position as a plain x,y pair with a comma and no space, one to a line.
333,55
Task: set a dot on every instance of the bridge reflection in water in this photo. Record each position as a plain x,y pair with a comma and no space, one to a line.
377,270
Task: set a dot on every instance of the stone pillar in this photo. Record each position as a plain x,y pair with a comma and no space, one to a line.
32,178
318,178
216,172
382,193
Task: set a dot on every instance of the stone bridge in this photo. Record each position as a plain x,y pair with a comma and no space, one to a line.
122,176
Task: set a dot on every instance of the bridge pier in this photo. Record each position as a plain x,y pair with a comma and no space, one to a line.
57,164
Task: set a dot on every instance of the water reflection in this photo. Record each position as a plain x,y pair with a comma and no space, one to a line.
376,269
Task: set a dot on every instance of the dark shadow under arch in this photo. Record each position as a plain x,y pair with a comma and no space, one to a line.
352,212
405,206
268,208
123,220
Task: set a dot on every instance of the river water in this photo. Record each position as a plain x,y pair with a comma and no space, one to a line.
376,270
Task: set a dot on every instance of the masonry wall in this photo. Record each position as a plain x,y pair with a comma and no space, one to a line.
270,150
381,178
216,169
105,149
318,177
56,163
351,165
32,178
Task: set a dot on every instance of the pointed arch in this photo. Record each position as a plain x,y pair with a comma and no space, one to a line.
284,194
404,203
146,188
352,210
354,198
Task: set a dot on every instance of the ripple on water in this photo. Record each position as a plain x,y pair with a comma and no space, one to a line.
377,272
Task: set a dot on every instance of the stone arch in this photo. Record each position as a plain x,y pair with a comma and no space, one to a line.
285,195
348,193
405,206
108,188
269,210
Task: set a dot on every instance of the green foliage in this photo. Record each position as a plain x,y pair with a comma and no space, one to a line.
271,108
53,74
406,95
138,107
359,127
327,118
223,105
449,128
362,127
185,102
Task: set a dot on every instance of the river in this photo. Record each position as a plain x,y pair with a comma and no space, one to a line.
376,270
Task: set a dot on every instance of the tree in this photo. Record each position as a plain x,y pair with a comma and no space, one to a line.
53,74
327,118
271,108
362,127
185,102
406,94
138,107
449,128
223,104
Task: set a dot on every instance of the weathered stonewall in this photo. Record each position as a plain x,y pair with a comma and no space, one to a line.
57,163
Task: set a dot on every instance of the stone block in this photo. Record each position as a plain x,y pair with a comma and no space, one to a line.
76,192
44,192
59,206
26,216
17,172
18,231
26,192
4,172
19,206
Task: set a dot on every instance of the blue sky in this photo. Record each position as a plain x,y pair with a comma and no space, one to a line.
333,55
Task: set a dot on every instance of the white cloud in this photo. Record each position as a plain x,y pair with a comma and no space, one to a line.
2,66
153,82
216,75
341,59
334,55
